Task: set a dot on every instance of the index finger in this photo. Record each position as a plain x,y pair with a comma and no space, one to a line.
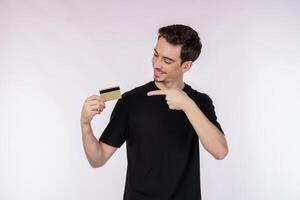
156,92
96,97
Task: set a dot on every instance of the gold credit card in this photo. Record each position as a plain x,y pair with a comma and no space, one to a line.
111,93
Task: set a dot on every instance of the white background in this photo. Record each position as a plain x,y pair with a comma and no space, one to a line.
54,54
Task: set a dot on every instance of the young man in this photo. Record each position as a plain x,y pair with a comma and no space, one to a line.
162,122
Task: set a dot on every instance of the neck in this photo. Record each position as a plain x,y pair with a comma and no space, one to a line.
170,85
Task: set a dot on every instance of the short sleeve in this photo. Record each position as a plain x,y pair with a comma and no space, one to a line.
209,111
116,132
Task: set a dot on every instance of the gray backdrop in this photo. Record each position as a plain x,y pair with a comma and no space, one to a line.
54,54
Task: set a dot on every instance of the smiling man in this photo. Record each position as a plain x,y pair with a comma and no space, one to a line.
162,123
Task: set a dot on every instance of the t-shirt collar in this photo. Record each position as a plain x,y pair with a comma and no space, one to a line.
184,87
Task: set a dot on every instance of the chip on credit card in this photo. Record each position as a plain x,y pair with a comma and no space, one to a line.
111,93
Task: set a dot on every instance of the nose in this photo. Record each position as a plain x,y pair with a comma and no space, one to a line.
156,63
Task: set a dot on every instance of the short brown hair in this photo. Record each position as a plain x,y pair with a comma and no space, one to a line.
179,34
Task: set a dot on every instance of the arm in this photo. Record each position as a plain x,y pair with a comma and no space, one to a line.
96,152
210,136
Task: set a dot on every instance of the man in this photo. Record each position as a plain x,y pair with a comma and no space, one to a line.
162,122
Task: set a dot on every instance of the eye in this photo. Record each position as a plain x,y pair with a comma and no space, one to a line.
155,55
167,62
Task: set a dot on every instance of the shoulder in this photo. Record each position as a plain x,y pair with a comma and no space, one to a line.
137,92
201,98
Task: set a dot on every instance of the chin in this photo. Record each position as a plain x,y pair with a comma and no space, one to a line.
158,79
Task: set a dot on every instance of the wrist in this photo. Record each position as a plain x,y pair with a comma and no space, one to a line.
189,103
85,124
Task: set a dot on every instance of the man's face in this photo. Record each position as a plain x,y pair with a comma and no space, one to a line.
166,61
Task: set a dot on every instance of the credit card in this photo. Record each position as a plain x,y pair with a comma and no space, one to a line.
111,93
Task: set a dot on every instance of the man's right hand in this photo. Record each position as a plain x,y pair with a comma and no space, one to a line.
92,105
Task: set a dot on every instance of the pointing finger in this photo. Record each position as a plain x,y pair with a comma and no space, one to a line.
156,92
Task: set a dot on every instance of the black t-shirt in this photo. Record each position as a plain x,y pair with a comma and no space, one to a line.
162,146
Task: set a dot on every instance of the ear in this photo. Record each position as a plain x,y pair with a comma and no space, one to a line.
186,66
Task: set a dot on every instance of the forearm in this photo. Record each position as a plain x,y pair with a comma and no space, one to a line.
91,146
210,136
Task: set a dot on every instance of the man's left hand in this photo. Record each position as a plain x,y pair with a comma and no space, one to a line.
176,99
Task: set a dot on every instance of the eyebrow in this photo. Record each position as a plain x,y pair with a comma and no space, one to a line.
164,56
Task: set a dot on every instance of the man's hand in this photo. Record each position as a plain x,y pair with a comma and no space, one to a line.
92,105
176,99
